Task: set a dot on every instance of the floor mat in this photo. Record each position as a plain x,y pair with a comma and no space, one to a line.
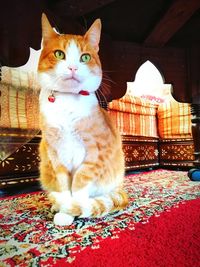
29,238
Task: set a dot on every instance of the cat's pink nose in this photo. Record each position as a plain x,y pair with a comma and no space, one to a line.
73,68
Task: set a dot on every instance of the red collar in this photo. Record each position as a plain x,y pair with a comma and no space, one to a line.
52,98
83,92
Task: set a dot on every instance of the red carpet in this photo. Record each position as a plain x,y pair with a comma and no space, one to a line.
171,240
159,228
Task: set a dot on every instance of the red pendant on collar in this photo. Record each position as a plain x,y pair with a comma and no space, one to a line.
51,98
83,92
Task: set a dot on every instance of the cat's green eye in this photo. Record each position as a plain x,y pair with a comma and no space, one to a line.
85,58
59,54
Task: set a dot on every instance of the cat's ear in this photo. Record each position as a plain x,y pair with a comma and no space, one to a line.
93,34
47,30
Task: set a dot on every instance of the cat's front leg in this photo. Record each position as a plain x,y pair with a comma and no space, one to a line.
82,186
61,201
61,198
83,179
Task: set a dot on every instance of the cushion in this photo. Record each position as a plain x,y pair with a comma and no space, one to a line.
19,109
134,104
19,99
134,116
174,120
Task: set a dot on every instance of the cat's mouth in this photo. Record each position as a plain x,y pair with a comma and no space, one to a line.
70,83
72,79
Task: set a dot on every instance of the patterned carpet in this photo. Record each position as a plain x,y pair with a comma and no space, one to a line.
29,238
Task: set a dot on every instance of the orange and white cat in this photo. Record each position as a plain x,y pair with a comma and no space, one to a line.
82,163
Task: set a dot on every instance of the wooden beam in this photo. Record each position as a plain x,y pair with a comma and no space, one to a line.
176,16
77,7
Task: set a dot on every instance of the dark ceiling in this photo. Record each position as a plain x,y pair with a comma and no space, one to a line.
150,23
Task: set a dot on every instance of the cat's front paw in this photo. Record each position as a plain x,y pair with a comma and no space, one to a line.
55,208
63,219
60,200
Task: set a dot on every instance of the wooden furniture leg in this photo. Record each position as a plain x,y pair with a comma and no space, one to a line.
194,174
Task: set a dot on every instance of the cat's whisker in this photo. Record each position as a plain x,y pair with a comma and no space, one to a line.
105,83
103,103
109,80
99,91
105,86
109,71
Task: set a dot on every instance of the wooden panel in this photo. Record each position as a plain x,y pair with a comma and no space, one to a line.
176,152
195,110
22,166
193,73
140,152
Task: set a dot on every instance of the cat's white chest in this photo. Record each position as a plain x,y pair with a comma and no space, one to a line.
63,115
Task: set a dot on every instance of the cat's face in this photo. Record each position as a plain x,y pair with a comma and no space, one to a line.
70,63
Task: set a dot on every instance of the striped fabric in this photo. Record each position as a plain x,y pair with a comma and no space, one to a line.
134,116
19,78
18,100
174,120
133,104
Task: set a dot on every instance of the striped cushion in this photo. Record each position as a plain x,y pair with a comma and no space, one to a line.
136,105
134,116
19,78
174,120
18,100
